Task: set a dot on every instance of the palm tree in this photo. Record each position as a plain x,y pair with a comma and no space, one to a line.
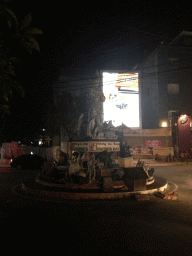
24,34
20,34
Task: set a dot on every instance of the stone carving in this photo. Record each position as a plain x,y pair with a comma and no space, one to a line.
149,171
80,125
86,167
95,114
109,130
90,124
74,168
104,157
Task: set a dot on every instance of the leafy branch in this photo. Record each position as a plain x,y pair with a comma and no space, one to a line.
20,33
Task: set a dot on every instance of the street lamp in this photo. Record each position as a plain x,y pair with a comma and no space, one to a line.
183,119
164,124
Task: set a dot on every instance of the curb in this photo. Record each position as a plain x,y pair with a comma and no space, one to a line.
46,193
166,164
88,196
171,187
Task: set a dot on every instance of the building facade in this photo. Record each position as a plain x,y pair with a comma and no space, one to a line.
165,79
164,87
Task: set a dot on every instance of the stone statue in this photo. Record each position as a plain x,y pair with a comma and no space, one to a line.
81,130
105,158
95,114
90,124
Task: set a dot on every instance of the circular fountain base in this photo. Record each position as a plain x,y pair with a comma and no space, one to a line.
38,189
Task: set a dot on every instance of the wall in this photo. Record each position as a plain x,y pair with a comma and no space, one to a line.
9,150
148,82
174,67
140,141
166,65
143,142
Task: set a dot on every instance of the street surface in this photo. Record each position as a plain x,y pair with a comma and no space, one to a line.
110,227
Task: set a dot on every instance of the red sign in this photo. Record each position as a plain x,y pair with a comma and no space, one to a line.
153,143
184,133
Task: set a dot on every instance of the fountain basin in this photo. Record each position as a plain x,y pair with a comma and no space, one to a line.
58,192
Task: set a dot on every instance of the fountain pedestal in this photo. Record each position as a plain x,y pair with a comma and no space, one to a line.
107,182
125,161
135,178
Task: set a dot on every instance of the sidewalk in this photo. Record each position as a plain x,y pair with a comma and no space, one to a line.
154,162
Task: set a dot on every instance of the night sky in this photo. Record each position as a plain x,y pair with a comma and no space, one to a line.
84,37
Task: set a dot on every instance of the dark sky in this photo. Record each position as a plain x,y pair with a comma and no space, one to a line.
87,36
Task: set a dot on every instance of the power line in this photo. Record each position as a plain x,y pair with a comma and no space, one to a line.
136,29
96,80
146,75
105,53
142,67
140,76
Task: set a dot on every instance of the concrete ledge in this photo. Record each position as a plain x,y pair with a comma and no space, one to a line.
78,196
171,187
51,193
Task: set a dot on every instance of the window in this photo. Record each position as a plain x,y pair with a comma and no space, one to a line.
174,63
173,88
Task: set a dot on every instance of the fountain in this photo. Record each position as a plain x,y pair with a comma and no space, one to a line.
94,172
90,176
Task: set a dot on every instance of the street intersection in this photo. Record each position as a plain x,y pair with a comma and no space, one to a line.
122,227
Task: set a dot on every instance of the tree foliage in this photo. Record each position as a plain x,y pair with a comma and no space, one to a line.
15,34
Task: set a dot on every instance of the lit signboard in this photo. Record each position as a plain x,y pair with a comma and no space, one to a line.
121,93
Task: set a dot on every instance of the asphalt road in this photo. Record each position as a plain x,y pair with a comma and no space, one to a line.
110,227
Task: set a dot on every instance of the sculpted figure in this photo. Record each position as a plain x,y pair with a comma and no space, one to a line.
95,114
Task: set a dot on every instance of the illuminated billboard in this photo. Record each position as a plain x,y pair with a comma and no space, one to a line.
121,93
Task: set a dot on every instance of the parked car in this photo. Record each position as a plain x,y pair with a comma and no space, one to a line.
28,161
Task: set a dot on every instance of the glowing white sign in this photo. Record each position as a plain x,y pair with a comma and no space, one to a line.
121,98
